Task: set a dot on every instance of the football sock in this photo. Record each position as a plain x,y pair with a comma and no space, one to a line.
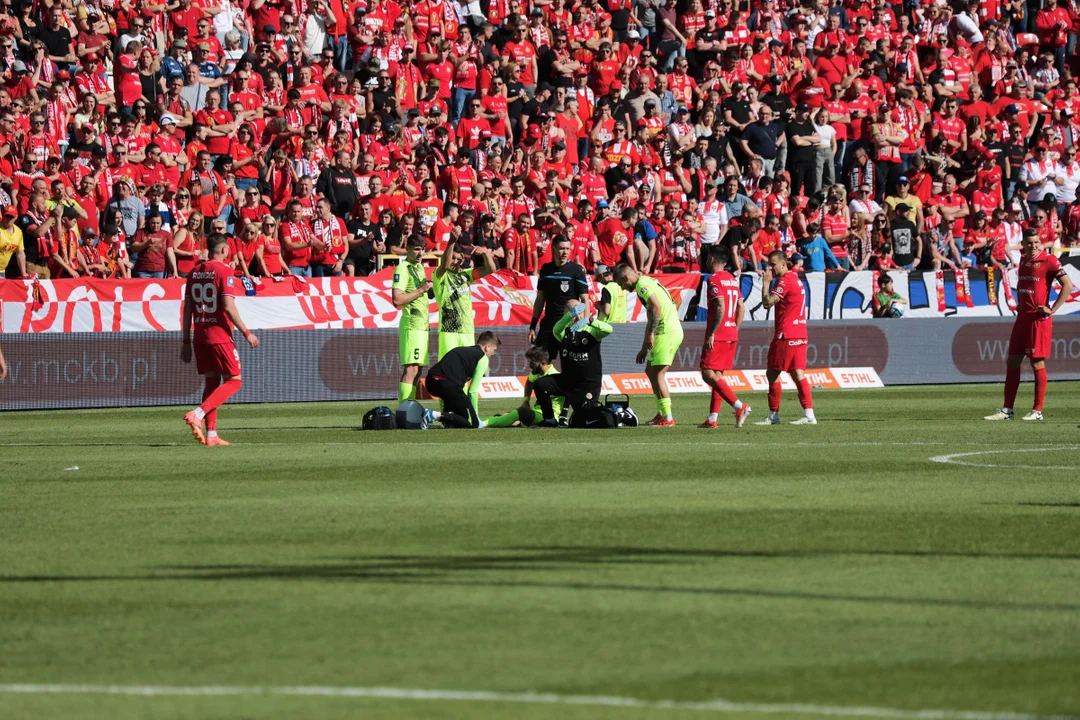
664,404
774,397
1040,389
806,397
1012,384
715,401
218,397
727,394
211,433
713,416
405,391
503,421
212,384
809,412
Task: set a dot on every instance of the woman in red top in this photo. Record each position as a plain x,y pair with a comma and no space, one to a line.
188,244
268,254
245,164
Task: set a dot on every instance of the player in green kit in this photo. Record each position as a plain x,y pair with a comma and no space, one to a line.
663,336
540,366
410,293
454,297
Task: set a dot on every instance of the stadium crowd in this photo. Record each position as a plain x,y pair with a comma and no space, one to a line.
320,135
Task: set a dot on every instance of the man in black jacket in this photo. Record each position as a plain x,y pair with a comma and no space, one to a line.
337,184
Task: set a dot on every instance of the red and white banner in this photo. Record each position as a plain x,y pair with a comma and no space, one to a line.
503,299
691,382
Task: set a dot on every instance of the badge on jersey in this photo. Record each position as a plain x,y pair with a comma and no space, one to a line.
229,281
564,286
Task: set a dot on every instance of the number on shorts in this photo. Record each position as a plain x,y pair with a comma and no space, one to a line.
416,354
205,297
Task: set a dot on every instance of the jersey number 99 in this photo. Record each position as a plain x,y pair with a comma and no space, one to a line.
205,297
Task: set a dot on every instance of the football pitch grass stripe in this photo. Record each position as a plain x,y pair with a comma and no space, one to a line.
486,696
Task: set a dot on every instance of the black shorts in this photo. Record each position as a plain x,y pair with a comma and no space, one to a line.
545,338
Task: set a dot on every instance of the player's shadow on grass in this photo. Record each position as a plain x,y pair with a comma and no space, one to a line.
508,569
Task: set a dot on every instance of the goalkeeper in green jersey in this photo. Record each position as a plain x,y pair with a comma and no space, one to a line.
663,336
540,367
454,296
409,292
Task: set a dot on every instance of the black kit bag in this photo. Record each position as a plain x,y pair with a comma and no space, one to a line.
594,417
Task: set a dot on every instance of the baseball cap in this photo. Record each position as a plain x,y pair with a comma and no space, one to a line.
18,66
902,180
601,269
434,82
92,57
168,119
650,103
632,33
10,211
601,203
903,208
616,84
485,133
710,13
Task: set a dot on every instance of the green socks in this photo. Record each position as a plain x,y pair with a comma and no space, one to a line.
406,391
663,405
503,421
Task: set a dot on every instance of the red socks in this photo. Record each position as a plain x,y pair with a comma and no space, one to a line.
725,392
1040,388
774,397
1012,384
806,398
212,384
220,395
715,401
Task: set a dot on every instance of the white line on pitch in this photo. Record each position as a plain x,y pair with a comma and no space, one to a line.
951,459
485,696
523,445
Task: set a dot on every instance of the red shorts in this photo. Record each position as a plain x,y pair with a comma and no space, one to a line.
1032,336
721,357
217,359
787,355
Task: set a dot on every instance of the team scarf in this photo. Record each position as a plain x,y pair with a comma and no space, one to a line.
939,281
963,291
196,179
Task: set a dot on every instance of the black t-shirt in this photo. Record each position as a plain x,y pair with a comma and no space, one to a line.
30,244
1014,152
560,285
804,129
903,241
57,42
780,105
739,109
458,365
709,36
545,68
514,108
363,253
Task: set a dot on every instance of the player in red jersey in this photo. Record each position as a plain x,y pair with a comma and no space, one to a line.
208,302
1034,329
787,352
721,336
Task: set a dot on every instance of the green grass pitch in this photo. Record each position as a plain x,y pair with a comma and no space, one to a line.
830,567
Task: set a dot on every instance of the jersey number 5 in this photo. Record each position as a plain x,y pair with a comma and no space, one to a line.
205,297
